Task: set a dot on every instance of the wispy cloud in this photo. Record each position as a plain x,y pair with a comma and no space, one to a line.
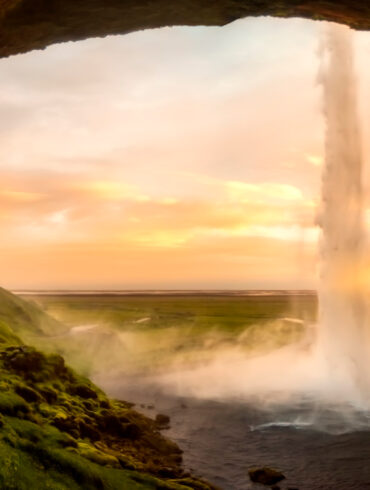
183,156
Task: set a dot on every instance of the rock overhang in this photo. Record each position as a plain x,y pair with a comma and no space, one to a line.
26,25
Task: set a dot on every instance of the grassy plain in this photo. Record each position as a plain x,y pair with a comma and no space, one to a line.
226,312
154,331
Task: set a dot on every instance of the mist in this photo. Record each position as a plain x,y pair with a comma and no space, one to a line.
291,362
328,365
275,364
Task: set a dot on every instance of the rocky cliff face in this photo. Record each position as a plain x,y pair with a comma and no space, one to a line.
34,24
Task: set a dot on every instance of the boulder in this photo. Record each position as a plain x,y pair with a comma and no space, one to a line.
23,360
28,393
83,391
131,431
89,431
50,395
162,421
265,476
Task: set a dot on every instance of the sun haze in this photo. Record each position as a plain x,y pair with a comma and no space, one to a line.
172,158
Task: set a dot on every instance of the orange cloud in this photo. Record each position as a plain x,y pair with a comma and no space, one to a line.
174,167
20,196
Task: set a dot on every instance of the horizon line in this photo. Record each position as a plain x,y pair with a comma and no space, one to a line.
188,290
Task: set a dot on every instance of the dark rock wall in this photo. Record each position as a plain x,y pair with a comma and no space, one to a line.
34,24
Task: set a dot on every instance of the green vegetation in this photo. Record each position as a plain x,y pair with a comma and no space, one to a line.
150,332
200,312
59,431
26,319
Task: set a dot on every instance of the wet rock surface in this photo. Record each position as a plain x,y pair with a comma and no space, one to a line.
34,24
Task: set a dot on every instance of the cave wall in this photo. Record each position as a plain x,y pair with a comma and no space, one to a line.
34,24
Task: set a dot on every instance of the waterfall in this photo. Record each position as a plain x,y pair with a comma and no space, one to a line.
343,317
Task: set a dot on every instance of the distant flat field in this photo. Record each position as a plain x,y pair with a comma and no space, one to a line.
232,311
139,331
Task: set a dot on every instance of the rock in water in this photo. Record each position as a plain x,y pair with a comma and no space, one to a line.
265,476
162,421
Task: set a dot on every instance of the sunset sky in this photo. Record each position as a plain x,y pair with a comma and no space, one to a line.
173,158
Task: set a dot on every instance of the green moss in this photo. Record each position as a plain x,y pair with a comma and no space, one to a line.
60,431
80,440
92,454
7,336
27,393
54,460
19,472
12,404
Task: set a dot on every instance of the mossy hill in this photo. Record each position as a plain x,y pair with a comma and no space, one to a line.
25,318
60,431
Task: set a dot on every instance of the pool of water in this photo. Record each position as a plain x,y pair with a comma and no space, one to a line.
317,448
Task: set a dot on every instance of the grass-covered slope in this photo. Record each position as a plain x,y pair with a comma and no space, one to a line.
59,431
25,318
